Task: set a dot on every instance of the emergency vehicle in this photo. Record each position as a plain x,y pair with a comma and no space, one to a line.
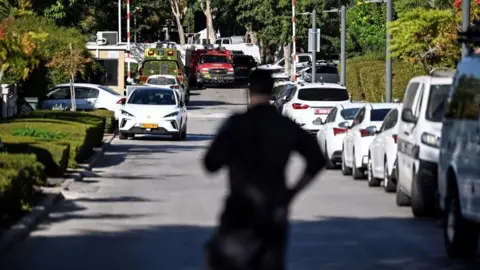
193,57
215,67
162,61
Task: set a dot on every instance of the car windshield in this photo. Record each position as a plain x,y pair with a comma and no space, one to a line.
109,90
214,59
436,102
323,94
242,60
151,96
349,114
161,81
379,114
327,69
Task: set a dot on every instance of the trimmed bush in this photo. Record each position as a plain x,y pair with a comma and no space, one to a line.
81,137
18,175
53,156
111,124
367,74
97,122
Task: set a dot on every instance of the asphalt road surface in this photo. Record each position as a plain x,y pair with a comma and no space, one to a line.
150,205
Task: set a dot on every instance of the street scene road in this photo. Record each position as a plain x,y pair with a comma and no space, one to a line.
149,205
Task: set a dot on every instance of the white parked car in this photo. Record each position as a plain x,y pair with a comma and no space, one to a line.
382,155
310,103
169,81
359,137
331,133
153,110
87,97
419,141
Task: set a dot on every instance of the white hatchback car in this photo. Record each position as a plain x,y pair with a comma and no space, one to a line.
87,97
382,155
359,136
310,103
155,111
169,81
331,133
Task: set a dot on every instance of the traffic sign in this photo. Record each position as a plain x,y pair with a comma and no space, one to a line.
311,37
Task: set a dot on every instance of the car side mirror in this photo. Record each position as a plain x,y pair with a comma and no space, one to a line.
407,116
372,130
344,125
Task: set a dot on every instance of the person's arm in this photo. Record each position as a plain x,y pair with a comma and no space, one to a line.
218,152
310,150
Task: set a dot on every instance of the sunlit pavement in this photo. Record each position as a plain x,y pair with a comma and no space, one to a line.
150,205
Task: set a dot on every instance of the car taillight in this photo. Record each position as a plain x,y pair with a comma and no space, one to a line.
176,86
395,138
337,131
298,106
121,101
230,70
365,133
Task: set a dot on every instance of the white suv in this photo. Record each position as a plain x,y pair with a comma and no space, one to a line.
310,104
419,140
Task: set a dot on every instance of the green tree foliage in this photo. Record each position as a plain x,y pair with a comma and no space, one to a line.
366,29
426,37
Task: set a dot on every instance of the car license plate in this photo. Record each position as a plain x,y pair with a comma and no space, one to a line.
149,126
322,111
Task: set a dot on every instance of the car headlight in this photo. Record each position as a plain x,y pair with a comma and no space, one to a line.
171,114
126,113
430,140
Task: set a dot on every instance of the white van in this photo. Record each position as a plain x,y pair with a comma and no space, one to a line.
418,141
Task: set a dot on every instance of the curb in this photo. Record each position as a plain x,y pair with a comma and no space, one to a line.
26,224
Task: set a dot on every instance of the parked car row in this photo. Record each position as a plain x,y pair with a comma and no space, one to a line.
426,150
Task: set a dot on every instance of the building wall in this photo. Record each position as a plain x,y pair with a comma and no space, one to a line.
114,54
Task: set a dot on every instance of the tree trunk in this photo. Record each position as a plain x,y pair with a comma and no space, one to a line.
287,55
175,5
72,95
207,10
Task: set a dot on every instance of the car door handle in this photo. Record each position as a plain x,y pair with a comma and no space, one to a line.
406,133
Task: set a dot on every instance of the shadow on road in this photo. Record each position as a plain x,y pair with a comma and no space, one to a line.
205,103
328,243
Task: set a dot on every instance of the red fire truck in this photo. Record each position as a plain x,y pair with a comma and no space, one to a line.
213,66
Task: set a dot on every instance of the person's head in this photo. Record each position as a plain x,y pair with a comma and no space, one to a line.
261,85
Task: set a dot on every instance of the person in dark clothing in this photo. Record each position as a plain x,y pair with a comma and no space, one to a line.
256,146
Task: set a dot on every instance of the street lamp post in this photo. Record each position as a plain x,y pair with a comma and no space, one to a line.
465,24
343,57
119,21
388,58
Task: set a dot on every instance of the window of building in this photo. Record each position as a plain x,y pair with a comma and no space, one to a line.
110,74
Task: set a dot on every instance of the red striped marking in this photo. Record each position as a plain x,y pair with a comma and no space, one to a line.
129,74
293,2
294,38
128,16
294,19
128,2
128,34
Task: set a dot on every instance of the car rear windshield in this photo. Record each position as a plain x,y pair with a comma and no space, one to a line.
327,69
243,60
349,114
378,114
323,94
109,90
436,102
213,59
150,96
161,81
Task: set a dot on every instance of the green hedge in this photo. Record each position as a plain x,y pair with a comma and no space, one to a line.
81,131
367,74
52,155
18,175
111,124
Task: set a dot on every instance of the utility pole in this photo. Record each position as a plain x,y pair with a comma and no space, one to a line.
294,44
128,41
388,64
314,43
343,60
119,21
465,24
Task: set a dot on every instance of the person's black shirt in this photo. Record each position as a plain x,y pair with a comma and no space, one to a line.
256,147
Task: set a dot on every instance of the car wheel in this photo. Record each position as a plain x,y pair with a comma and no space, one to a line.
388,184
356,173
122,136
372,181
422,197
329,164
345,170
400,197
460,235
